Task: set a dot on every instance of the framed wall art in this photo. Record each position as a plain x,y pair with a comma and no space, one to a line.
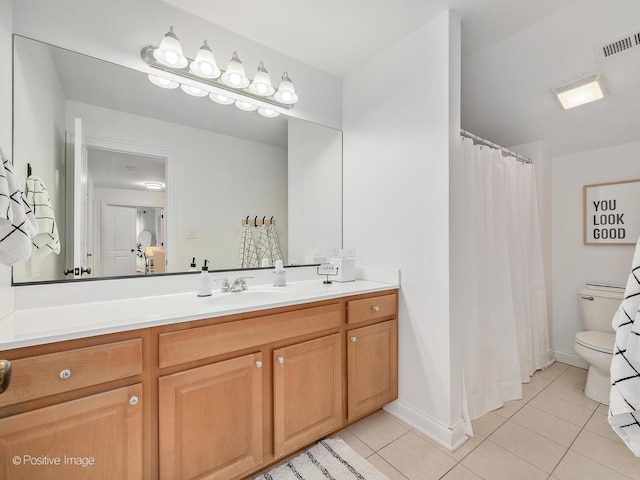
612,213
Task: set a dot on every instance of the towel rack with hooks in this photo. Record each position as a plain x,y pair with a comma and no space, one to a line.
29,171
256,222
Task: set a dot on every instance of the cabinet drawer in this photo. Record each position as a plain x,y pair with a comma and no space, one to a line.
186,346
44,375
371,308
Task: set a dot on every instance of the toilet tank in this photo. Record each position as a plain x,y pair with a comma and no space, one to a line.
597,308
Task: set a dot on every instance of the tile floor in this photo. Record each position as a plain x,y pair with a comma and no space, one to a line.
553,433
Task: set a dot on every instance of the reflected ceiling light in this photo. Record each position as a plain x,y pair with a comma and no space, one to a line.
267,112
163,82
153,185
234,76
169,52
204,65
246,106
194,91
261,84
286,93
580,92
221,99
259,92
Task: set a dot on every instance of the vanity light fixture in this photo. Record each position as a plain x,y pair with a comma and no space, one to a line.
163,82
203,69
580,92
169,52
154,185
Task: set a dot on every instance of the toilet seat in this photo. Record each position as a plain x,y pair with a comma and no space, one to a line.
598,341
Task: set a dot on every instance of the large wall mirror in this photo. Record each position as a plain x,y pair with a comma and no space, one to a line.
97,135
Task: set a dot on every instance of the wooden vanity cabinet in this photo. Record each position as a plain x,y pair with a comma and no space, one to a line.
211,420
74,411
307,392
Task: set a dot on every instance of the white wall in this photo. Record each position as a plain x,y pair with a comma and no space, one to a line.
43,111
215,173
574,264
397,138
118,29
7,300
315,190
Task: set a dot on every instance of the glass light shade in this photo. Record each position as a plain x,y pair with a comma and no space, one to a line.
194,91
169,52
247,107
204,65
267,112
221,99
234,76
286,93
261,84
582,91
163,82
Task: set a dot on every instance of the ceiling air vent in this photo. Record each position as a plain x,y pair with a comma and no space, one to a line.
622,44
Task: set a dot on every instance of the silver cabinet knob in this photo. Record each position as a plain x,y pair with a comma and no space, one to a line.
280,359
354,339
375,308
5,374
133,400
259,364
64,374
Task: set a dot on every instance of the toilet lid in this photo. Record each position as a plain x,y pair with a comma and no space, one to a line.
600,341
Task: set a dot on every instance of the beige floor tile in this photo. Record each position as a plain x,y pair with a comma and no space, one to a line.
604,409
539,382
528,445
577,467
561,408
599,424
570,386
379,429
416,459
487,424
493,462
382,465
461,452
607,452
554,371
354,442
460,472
511,407
554,428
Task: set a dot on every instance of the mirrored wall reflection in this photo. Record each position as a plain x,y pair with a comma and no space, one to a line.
216,166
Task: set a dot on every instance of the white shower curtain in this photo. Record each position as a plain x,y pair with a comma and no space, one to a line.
498,257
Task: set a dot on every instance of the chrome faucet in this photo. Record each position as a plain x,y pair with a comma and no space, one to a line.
239,284
225,285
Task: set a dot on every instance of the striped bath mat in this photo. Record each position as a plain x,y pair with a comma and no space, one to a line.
330,459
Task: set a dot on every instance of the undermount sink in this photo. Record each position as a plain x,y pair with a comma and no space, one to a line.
248,297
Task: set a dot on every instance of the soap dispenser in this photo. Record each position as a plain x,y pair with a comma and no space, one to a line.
279,275
193,267
204,285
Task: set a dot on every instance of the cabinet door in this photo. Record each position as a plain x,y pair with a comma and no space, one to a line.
99,436
307,392
372,363
211,420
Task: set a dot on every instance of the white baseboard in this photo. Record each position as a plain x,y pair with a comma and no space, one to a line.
570,358
450,438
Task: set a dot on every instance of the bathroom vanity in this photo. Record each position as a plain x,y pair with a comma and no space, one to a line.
205,389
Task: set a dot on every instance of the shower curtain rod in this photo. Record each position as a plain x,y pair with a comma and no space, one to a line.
505,151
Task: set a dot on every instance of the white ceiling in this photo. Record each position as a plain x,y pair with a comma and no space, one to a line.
514,53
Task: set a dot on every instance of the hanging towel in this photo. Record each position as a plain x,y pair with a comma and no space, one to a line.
274,246
248,253
47,241
624,407
17,222
263,244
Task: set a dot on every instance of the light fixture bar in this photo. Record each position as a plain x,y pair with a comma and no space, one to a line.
149,59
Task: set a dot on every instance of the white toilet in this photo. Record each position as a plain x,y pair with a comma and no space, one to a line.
595,344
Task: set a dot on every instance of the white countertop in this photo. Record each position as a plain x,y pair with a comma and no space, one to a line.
37,326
